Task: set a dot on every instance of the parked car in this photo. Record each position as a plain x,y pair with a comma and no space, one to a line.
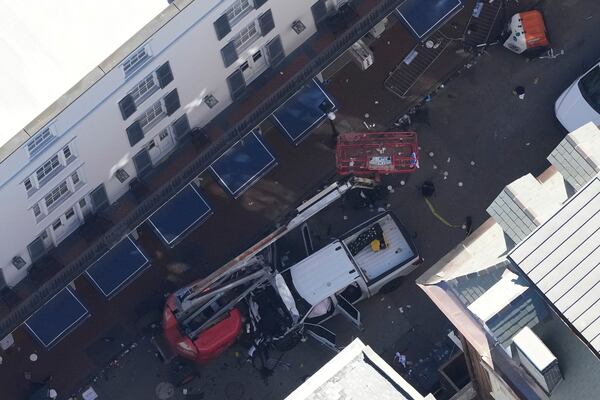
580,103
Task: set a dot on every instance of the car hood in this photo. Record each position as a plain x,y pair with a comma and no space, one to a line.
572,111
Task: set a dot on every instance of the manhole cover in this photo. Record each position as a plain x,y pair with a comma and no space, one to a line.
165,390
234,391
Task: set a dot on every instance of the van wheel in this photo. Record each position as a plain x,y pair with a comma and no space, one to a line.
391,285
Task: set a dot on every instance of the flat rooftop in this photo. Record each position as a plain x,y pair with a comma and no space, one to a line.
48,46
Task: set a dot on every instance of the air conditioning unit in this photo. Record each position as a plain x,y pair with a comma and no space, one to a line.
362,55
379,28
535,358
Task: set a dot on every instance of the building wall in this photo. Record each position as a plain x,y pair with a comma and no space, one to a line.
95,130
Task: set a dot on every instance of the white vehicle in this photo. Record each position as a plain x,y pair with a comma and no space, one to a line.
580,103
291,281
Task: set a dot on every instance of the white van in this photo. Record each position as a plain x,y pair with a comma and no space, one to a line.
580,103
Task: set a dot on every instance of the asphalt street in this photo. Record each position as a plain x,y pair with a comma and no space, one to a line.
475,138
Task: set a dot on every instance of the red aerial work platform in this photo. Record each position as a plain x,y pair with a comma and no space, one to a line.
371,153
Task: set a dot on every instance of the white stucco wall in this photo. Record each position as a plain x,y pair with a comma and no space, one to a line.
94,126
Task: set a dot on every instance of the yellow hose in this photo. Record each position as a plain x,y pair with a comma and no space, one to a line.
438,216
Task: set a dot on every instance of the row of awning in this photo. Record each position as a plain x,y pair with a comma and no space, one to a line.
236,170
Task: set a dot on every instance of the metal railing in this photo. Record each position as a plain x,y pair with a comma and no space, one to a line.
19,314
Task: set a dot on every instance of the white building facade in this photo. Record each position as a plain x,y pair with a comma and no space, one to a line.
180,71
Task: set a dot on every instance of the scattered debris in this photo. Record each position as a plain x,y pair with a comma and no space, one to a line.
402,183
445,173
401,310
527,144
536,80
431,154
460,184
448,160
376,102
435,166
367,115
400,359
345,217
519,91
472,163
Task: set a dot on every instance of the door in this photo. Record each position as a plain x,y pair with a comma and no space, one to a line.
65,225
161,146
322,335
254,65
349,311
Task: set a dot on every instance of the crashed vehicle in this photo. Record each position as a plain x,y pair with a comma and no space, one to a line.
285,286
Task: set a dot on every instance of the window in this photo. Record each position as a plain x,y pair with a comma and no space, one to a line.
151,115
28,185
144,89
163,135
237,11
75,178
121,175
82,203
56,193
246,36
39,142
210,100
67,152
47,168
36,210
70,213
134,61
589,86
151,144
56,224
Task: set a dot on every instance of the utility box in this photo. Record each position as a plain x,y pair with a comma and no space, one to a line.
362,55
535,358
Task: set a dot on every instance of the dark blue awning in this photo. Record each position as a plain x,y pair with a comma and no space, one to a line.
303,112
117,267
243,164
57,318
180,214
423,17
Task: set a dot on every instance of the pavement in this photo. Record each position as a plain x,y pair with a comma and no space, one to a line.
475,129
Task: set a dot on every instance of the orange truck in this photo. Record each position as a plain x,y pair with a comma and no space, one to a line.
526,33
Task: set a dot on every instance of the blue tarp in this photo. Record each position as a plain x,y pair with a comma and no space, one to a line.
423,17
180,214
117,267
243,164
55,319
303,112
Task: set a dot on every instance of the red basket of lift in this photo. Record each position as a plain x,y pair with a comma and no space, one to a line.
377,153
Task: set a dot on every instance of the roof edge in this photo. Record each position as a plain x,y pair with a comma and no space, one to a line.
90,79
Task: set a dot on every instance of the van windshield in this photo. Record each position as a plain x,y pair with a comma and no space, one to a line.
589,85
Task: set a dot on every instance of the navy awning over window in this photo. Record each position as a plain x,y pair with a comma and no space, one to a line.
117,267
180,214
423,17
57,318
243,164
303,112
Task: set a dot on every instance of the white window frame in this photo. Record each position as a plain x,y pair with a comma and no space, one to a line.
43,172
246,36
152,115
238,10
40,141
68,149
136,60
28,182
37,211
144,89
56,194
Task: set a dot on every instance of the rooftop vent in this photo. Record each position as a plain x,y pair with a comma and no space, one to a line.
535,358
